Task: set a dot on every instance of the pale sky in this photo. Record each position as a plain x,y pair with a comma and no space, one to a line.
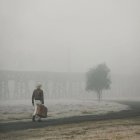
70,35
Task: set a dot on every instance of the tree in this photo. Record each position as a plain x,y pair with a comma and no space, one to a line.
98,79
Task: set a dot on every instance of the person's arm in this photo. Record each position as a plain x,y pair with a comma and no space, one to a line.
42,97
33,98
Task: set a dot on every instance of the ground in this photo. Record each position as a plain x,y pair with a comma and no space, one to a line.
107,121
23,109
121,129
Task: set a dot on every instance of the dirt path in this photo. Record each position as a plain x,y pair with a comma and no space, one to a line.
24,125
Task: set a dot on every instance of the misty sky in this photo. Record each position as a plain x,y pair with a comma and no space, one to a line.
70,35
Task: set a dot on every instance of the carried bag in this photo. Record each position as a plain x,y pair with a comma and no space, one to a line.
42,111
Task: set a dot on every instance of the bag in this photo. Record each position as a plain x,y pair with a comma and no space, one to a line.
41,111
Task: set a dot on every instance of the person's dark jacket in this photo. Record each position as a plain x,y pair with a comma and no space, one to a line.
38,95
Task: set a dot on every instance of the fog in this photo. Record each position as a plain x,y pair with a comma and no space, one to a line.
70,36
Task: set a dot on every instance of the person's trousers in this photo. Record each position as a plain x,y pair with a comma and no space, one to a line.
36,102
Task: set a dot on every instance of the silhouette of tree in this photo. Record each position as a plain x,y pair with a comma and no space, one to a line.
98,79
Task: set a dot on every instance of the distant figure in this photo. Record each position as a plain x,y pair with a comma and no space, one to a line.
37,99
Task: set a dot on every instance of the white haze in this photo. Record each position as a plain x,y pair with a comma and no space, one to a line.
70,35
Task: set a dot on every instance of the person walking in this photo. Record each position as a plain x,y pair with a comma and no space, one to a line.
37,99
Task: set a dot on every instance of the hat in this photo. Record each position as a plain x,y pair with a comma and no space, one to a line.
38,85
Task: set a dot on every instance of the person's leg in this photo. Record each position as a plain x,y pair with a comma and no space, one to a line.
39,118
34,113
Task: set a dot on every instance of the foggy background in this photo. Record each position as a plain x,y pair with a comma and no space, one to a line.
72,36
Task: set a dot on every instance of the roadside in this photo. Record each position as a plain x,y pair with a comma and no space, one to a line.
28,124
118,129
